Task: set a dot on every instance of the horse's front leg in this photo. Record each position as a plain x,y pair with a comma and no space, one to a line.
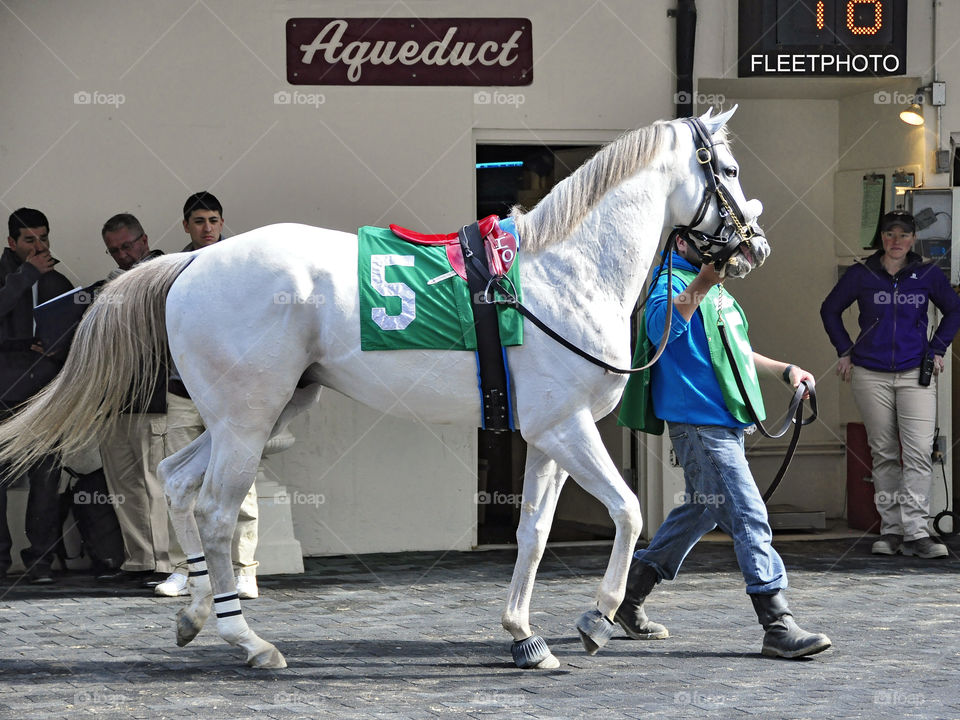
182,475
542,483
576,445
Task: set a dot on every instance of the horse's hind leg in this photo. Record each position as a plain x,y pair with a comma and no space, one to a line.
576,445
182,475
542,483
232,470
303,399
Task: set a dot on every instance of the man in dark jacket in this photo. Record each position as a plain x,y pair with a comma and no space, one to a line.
27,279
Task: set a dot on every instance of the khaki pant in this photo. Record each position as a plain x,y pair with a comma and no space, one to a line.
131,453
184,425
899,414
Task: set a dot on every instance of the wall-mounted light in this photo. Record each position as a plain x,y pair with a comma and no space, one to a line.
912,114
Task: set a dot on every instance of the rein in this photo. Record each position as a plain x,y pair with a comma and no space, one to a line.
510,299
793,417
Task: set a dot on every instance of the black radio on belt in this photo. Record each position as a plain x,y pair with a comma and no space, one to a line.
926,369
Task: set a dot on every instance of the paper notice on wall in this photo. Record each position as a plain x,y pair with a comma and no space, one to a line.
872,205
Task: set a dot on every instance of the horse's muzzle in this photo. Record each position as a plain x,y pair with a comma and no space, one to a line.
751,254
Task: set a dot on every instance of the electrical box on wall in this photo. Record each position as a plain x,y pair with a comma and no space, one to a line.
937,210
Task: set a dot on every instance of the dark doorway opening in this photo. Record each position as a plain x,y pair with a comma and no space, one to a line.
509,175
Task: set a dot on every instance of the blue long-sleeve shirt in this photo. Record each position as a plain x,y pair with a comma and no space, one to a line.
685,387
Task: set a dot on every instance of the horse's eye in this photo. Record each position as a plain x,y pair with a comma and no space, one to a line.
730,172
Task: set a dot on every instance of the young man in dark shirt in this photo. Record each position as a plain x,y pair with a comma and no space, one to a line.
27,279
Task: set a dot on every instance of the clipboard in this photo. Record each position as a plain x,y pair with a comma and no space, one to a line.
57,319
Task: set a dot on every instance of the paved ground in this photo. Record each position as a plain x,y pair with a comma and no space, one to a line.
417,635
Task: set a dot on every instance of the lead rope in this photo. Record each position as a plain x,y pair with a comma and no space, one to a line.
794,414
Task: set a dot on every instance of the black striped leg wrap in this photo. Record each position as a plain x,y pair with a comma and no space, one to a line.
227,605
196,566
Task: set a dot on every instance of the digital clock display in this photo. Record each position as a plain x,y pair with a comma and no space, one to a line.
864,38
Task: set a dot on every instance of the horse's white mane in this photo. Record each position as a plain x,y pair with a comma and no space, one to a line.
561,211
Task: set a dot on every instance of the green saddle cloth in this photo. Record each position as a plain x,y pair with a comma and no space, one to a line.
410,298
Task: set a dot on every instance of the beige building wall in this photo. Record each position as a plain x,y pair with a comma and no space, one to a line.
182,99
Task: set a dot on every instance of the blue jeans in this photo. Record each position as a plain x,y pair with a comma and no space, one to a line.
720,491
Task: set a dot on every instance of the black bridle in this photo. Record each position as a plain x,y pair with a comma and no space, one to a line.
733,227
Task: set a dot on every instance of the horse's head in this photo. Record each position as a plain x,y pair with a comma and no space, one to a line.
723,224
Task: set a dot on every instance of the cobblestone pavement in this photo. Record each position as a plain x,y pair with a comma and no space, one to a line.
418,635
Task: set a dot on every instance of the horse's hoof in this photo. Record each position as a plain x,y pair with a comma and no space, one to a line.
269,658
550,663
533,653
595,630
187,628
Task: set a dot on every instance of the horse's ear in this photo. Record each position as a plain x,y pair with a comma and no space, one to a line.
715,122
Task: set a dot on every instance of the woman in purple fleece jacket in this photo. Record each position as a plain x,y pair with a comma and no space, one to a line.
893,288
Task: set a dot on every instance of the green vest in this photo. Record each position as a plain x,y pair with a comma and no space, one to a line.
636,407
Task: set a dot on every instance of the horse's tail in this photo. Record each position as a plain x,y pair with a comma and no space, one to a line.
114,363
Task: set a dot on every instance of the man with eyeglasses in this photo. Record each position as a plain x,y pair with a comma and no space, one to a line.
134,447
27,279
126,242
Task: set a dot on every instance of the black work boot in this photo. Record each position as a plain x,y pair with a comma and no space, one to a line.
630,615
783,637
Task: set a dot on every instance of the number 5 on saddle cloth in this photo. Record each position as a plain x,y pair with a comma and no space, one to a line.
412,296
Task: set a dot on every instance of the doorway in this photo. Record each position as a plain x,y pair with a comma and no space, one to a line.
509,175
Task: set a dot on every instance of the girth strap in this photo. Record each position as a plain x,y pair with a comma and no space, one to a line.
494,393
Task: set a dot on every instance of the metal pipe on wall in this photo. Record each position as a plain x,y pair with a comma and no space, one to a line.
686,15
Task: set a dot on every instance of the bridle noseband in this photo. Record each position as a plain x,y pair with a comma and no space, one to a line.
733,228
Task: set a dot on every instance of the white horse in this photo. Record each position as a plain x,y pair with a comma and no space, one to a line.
251,364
